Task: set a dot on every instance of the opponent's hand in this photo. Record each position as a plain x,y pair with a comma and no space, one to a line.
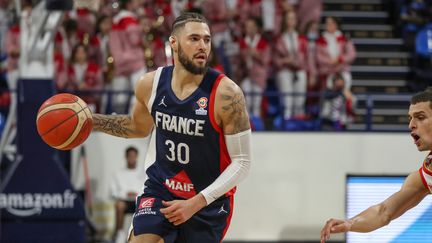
179,211
333,226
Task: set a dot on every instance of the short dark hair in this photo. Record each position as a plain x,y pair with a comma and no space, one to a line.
124,3
424,96
131,149
337,76
187,17
336,20
258,22
72,58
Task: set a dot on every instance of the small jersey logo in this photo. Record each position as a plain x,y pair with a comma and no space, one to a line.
222,210
162,102
146,202
202,104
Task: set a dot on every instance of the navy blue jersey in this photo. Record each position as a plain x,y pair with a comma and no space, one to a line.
187,151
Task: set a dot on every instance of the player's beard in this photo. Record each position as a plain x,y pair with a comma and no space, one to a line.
189,65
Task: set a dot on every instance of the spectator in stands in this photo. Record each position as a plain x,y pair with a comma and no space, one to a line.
161,12
85,76
66,38
177,7
13,52
126,185
255,9
289,58
308,10
255,53
153,43
312,34
270,12
12,46
86,23
99,50
237,14
108,7
227,32
413,15
273,13
337,110
126,48
335,54
4,24
216,12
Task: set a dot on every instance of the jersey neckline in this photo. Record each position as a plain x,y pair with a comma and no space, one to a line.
171,91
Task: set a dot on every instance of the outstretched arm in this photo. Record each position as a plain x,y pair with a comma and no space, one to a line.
138,124
412,193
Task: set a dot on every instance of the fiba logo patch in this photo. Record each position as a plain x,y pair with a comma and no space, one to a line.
202,104
146,202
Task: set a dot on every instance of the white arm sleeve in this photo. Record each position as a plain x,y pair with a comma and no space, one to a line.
239,150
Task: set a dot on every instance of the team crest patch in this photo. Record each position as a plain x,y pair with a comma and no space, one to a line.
202,104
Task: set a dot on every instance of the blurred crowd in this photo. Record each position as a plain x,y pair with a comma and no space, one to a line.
414,19
264,45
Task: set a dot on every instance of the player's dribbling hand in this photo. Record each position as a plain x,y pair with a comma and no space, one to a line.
334,226
179,211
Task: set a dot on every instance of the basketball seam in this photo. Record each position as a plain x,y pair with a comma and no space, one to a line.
82,108
74,134
60,108
65,102
65,120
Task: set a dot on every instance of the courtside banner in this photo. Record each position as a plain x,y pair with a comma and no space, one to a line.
35,192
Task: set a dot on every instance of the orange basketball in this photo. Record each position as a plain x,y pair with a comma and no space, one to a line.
64,121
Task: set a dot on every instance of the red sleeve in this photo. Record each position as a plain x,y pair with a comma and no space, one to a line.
423,178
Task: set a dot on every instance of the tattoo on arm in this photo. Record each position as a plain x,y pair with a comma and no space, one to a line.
234,106
117,125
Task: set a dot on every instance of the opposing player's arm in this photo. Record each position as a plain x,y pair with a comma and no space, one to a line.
139,124
412,193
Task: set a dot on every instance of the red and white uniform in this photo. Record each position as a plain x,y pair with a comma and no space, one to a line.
426,173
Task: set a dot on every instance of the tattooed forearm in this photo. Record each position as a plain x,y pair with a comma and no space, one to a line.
117,125
234,106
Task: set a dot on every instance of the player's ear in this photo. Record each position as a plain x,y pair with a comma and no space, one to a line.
173,42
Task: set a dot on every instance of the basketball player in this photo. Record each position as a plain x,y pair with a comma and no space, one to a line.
200,145
416,186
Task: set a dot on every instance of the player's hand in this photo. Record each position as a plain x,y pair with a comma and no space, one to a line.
333,226
179,211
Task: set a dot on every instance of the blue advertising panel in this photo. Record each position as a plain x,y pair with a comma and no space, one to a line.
37,201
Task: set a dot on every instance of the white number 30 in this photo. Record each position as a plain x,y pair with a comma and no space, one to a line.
182,155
